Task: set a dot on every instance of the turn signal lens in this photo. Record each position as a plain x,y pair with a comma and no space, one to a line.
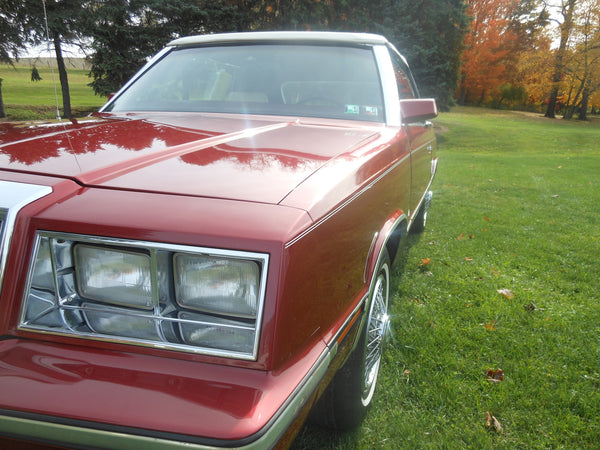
207,331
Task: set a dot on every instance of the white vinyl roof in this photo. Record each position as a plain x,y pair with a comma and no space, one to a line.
281,36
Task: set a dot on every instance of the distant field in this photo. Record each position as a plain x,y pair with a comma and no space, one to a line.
25,99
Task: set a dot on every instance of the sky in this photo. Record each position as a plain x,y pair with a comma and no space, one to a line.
47,51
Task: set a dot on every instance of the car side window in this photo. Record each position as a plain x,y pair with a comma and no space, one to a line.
405,88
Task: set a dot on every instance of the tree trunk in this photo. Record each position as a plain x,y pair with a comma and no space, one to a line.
550,112
62,73
2,112
584,105
569,109
481,98
576,103
462,96
566,27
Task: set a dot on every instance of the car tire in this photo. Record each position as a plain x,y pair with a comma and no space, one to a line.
347,399
418,224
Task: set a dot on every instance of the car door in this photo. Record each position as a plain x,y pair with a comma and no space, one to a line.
420,135
422,145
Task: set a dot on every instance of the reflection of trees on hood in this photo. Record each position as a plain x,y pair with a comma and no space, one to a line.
35,144
256,159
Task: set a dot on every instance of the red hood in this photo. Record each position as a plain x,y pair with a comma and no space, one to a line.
233,157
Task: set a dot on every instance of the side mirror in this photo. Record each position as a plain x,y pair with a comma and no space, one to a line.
418,110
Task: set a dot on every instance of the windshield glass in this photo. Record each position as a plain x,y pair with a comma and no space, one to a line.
295,80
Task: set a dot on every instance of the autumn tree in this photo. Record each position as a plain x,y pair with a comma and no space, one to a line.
487,48
501,31
582,63
534,67
565,13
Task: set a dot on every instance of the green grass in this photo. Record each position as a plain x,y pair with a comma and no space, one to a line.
25,100
515,207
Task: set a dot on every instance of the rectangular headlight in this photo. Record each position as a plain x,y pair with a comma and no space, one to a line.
114,276
180,297
217,285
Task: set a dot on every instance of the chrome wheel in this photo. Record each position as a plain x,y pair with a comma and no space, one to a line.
377,326
347,399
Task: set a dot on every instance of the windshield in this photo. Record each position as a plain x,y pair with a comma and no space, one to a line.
294,80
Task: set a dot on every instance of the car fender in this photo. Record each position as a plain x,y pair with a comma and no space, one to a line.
388,236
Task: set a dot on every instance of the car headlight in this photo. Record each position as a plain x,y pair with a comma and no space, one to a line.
218,285
113,276
180,297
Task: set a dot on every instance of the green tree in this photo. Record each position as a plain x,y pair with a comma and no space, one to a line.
11,39
126,32
55,21
429,33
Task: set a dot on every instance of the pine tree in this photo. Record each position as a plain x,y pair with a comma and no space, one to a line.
126,32
11,39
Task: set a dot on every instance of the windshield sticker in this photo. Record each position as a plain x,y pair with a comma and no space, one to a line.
371,110
352,109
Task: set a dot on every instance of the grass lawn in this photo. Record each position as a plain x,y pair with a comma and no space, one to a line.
25,100
515,210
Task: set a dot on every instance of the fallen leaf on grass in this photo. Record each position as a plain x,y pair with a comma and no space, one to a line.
492,423
555,196
459,238
506,292
468,258
495,376
489,325
487,219
424,266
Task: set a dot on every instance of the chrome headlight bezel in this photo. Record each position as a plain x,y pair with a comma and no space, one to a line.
55,299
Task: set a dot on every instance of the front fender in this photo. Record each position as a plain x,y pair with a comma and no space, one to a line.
389,236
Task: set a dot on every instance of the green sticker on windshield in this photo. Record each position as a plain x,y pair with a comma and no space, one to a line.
352,109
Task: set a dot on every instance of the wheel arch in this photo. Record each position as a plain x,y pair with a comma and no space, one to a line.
389,237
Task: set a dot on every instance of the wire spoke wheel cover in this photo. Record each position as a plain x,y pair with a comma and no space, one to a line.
377,326
347,399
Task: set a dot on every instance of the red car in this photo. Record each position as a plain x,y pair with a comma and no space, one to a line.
208,258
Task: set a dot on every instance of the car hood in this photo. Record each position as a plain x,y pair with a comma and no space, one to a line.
234,157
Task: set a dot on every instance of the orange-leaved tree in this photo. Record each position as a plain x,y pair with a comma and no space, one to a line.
487,54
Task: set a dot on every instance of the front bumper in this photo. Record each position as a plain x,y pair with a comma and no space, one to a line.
51,396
